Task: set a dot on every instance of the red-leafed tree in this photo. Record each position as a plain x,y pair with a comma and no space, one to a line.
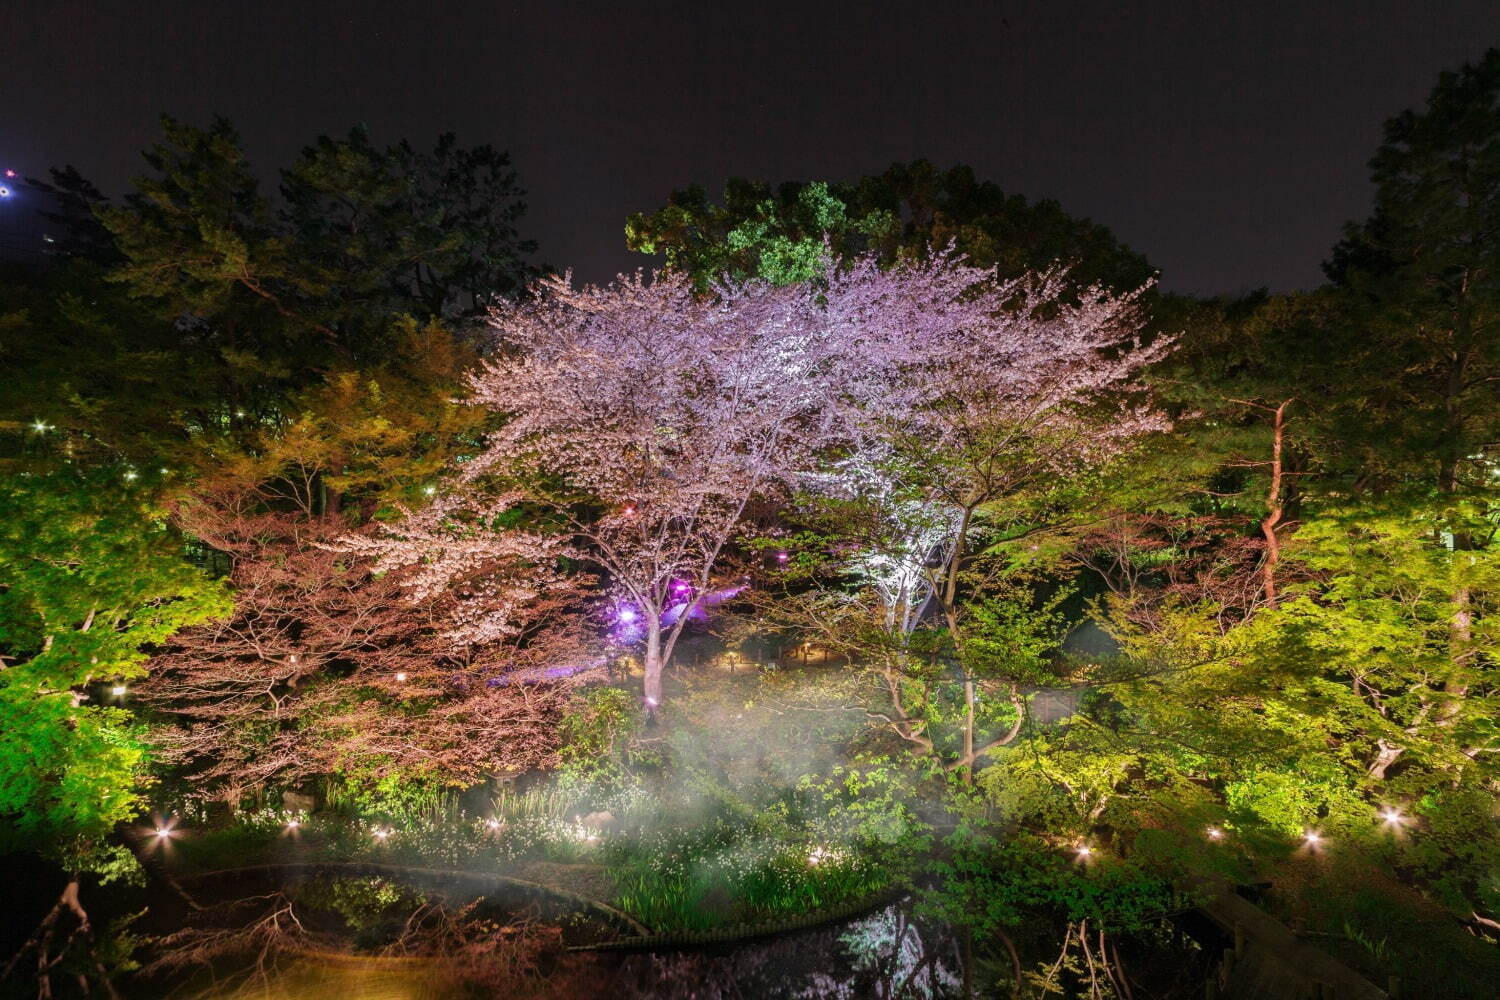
331,665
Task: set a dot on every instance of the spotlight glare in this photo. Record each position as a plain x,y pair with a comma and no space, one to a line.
1084,850
1313,838
118,690
1392,817
163,832
401,676
1214,833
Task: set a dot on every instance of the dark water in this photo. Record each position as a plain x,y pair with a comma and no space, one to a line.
351,937
872,956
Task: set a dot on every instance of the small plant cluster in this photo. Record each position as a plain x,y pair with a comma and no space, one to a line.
704,878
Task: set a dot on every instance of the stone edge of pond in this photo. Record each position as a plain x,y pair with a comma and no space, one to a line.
747,932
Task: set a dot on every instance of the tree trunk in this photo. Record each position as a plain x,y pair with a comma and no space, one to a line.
969,730
654,664
1387,754
1274,508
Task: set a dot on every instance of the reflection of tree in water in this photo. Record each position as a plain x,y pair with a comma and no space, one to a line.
465,945
885,955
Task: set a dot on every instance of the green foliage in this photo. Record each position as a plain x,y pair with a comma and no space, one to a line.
592,731
782,233
372,791
716,875
991,884
91,578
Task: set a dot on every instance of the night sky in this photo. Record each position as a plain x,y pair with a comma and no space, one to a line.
1227,141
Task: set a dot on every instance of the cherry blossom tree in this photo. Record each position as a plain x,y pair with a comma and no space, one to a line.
647,416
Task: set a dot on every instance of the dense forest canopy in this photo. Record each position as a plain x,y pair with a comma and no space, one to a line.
331,498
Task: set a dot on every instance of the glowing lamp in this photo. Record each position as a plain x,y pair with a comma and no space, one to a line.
401,676
1313,838
626,615
782,557
1214,833
163,832
40,427
1084,850
10,173
1392,816
132,474
629,511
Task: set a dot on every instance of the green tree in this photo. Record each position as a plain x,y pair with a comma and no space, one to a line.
780,233
91,579
1422,277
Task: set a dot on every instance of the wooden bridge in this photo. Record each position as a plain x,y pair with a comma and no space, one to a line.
1268,962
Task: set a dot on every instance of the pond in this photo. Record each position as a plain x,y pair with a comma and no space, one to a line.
385,937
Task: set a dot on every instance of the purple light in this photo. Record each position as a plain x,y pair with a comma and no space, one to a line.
782,557
626,615
10,173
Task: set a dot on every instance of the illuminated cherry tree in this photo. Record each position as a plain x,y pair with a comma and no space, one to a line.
656,413
977,406
648,414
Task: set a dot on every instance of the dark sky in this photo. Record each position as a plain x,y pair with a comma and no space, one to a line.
1226,140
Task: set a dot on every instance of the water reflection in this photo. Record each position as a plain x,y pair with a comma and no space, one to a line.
367,939
353,978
